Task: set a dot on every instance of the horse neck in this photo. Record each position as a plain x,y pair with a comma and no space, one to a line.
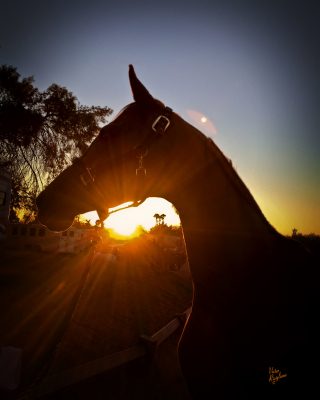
223,227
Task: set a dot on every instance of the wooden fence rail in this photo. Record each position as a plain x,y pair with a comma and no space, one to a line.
146,347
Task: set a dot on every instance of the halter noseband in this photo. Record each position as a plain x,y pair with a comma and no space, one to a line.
140,151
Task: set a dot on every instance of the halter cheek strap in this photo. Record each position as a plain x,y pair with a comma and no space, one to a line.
159,126
85,174
141,150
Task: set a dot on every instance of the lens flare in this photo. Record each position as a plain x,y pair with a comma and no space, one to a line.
202,122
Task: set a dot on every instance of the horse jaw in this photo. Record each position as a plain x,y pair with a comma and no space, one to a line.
50,215
54,223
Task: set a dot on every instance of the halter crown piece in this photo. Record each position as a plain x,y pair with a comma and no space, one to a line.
140,151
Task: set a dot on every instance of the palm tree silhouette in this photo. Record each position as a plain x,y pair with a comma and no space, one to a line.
157,217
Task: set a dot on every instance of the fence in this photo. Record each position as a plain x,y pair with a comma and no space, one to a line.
146,347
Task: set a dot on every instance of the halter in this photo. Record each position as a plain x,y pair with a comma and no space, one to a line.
140,151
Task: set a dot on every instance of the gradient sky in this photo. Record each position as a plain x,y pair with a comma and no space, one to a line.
250,67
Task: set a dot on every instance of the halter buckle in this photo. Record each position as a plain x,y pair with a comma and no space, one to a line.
162,127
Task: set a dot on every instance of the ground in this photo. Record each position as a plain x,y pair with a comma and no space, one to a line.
40,293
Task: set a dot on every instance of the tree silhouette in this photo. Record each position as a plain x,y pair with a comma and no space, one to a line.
164,229
311,241
40,133
162,217
88,223
156,216
82,223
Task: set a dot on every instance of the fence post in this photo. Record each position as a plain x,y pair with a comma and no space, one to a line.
150,346
182,318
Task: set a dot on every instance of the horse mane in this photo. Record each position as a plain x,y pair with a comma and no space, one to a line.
233,176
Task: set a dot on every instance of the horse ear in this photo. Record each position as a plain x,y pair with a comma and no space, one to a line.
139,92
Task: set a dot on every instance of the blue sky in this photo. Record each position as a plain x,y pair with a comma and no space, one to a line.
251,68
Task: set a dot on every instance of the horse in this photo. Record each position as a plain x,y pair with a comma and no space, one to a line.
252,331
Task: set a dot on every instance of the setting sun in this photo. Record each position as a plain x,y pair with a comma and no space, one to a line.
123,222
203,119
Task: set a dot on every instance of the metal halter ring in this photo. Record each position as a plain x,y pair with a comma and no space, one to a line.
140,151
